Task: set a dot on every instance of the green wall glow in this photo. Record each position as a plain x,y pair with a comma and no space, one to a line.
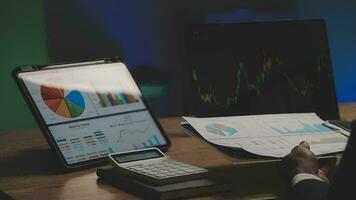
22,42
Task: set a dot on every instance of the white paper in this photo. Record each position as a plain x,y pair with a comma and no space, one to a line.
270,135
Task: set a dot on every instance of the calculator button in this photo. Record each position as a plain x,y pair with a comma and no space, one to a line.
167,171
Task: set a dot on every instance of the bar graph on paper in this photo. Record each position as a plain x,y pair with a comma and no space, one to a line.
272,135
299,127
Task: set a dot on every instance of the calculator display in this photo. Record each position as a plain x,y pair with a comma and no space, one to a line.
135,156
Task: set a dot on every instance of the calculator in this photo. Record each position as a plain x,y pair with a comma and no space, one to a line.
154,167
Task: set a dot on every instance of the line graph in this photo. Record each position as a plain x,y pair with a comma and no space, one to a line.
129,133
254,84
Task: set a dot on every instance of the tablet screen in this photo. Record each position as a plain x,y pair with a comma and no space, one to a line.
92,110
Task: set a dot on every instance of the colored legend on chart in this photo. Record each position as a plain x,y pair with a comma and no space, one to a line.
109,99
100,137
93,155
103,153
76,143
68,104
81,157
89,140
63,144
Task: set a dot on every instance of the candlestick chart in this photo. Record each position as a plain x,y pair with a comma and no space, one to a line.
260,68
254,84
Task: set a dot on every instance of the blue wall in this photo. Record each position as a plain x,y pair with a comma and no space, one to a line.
340,18
144,28
151,32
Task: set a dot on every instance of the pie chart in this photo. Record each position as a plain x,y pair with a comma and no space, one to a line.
66,103
220,129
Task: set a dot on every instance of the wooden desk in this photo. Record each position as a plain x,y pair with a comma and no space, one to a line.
29,170
347,111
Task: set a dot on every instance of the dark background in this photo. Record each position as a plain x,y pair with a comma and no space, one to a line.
149,36
259,68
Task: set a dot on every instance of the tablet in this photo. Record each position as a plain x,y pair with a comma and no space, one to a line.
88,110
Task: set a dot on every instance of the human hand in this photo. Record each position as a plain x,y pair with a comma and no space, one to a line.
302,160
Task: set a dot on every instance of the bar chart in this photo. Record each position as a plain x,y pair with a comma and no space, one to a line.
302,128
109,99
150,142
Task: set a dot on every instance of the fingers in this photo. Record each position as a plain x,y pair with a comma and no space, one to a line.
301,146
302,160
323,175
328,166
305,144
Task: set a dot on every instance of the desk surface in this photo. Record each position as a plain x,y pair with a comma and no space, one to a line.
28,169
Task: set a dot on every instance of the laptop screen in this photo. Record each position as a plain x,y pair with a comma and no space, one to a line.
92,110
260,68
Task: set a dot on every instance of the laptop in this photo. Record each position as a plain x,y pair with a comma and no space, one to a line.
259,68
87,110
